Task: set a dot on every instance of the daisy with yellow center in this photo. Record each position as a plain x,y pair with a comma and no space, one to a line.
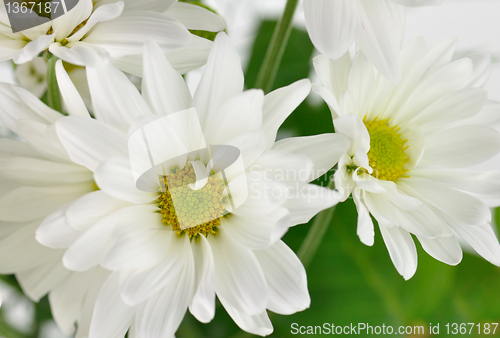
410,143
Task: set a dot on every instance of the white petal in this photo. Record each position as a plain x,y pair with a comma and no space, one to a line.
88,209
54,232
241,113
73,101
41,173
203,303
401,249
65,24
34,48
381,36
251,145
162,314
80,53
115,178
196,17
310,199
362,83
191,57
112,317
332,25
139,242
444,249
482,69
279,104
259,324
163,88
42,201
454,203
92,246
462,146
264,194
37,282
354,128
239,279
333,74
222,78
66,299
285,167
286,279
137,286
365,230
89,142
482,239
324,150
116,100
125,34
18,103
257,232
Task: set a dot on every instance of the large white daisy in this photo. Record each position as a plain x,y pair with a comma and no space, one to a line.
37,178
160,268
117,28
410,144
377,26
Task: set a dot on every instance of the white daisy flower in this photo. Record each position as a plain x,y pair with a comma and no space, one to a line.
38,182
117,28
159,268
377,26
410,144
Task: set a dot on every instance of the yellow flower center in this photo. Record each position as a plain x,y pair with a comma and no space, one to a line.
387,150
191,211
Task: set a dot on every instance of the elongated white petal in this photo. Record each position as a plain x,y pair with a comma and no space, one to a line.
333,74
65,24
72,99
221,80
41,200
80,53
37,282
34,48
257,232
482,239
66,299
259,324
239,279
137,286
324,150
111,317
18,103
202,305
251,145
286,279
482,69
89,142
462,146
279,104
54,232
308,200
242,113
196,17
381,36
139,242
91,207
125,34
332,25
286,167
163,88
365,229
92,246
161,315
115,178
401,249
444,249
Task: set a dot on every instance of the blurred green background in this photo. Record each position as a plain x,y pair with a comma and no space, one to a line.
348,281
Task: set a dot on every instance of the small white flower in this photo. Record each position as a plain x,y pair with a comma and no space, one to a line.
377,26
117,29
160,269
409,145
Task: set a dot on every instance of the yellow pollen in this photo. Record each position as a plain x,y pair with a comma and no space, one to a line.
387,150
191,211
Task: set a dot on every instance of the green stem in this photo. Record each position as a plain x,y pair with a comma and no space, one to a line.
316,233
53,92
276,49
